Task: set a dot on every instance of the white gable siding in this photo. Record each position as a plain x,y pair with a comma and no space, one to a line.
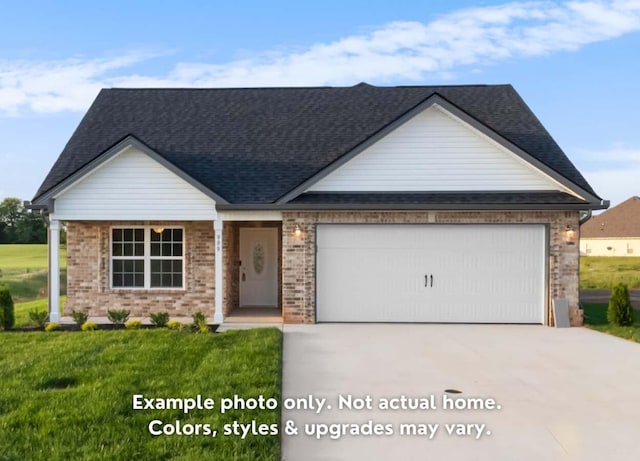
435,151
133,186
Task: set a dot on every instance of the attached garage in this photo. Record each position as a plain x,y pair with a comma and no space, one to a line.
454,273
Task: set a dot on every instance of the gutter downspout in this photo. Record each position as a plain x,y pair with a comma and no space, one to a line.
586,218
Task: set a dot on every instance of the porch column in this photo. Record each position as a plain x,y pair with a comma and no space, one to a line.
217,230
54,270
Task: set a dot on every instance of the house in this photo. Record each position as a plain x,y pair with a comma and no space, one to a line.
616,232
350,204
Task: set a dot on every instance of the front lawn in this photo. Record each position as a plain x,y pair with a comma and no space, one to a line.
595,317
68,396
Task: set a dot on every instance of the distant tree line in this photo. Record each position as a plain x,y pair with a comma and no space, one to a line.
19,225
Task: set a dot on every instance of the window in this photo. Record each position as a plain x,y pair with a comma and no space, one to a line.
166,258
145,257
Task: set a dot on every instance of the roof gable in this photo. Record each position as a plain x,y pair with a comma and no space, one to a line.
433,150
130,182
256,145
620,221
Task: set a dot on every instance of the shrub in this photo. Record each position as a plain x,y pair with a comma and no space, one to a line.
89,326
38,318
7,311
79,317
160,319
52,326
199,323
118,316
133,325
174,325
620,311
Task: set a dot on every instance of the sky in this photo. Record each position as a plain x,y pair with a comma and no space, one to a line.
575,63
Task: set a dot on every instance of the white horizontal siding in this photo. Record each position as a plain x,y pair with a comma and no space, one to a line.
434,151
268,215
133,186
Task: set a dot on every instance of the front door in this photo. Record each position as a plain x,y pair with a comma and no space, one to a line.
259,266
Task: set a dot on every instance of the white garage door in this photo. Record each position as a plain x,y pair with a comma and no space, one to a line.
430,273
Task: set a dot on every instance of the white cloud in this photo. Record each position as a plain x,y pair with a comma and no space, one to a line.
407,51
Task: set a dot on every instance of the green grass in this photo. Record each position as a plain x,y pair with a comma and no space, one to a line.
22,310
23,268
68,396
604,272
16,259
595,317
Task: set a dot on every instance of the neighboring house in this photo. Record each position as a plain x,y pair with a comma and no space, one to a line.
616,232
358,204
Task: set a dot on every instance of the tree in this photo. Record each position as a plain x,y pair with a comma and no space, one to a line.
19,225
620,312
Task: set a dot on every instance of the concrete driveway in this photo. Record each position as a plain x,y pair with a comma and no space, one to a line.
560,394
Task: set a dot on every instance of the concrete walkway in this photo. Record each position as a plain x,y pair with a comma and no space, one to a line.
564,394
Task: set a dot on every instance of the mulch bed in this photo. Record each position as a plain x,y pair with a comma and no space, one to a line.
102,326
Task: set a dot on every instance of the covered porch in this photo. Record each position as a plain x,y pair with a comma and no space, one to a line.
251,254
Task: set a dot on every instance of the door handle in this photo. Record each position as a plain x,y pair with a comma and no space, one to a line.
428,280
431,277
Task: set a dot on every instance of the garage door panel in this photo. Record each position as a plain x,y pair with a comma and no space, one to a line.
481,273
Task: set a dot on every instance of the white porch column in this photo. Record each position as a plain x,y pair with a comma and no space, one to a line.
54,270
217,230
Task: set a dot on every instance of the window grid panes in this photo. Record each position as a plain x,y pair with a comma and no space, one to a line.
166,258
144,258
127,250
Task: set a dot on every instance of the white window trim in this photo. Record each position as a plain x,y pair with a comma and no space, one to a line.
147,259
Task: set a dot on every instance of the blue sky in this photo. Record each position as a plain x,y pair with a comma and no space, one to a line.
576,64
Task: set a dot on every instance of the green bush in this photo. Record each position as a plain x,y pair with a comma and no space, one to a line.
52,326
7,311
199,323
133,325
89,326
620,312
118,316
38,318
79,317
160,319
174,325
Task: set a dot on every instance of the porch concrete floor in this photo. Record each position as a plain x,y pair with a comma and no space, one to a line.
254,315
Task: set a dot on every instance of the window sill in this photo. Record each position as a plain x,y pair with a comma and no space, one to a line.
148,290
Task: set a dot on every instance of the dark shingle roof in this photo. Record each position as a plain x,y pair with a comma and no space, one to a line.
254,145
620,221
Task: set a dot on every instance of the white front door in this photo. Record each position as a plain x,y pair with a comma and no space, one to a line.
259,266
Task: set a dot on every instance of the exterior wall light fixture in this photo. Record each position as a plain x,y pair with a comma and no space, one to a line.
569,235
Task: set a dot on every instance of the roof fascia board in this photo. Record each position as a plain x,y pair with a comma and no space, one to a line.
436,99
128,141
407,207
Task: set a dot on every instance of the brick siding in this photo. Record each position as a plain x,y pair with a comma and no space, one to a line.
88,284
